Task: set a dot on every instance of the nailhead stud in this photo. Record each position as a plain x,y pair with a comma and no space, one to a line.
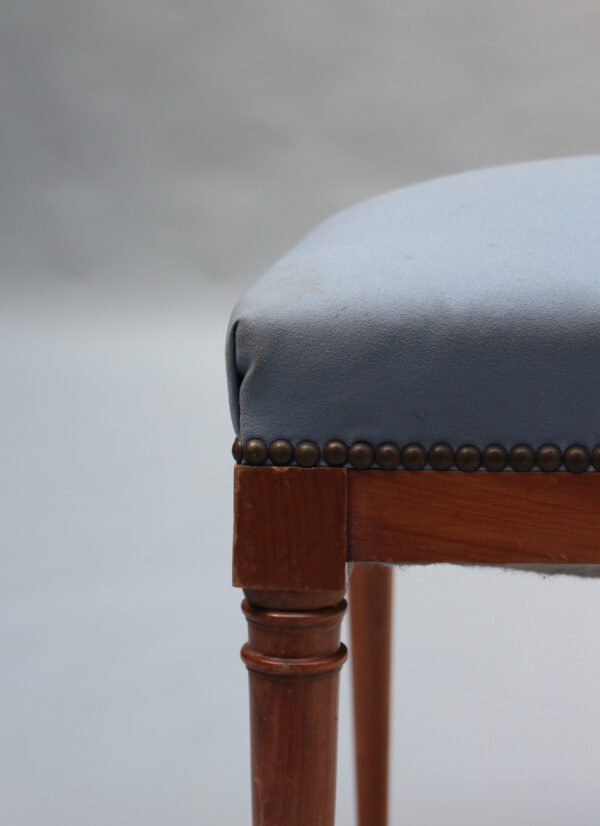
577,459
548,458
495,458
468,458
281,452
414,457
307,454
521,458
335,453
255,452
361,455
236,450
387,456
440,456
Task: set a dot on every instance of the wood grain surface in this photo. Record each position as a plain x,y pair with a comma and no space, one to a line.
481,517
295,529
293,660
289,528
370,599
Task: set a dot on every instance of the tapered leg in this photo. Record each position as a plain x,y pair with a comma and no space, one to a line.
370,625
293,658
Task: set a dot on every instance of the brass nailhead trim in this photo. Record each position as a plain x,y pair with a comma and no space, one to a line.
521,458
307,454
361,455
577,459
281,452
388,456
236,450
548,458
255,452
441,456
468,458
495,458
414,457
335,453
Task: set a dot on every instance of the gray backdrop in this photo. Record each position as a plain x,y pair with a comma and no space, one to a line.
154,158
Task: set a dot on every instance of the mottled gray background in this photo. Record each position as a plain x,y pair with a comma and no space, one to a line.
154,158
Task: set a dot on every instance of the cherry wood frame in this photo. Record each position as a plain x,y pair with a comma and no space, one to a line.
298,535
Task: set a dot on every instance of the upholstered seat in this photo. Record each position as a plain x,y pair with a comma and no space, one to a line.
449,326
463,311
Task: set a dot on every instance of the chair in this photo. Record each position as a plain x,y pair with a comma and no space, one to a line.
417,381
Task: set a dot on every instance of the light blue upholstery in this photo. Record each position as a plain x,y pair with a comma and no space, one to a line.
464,310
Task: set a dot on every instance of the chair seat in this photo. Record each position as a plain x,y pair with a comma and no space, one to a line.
463,311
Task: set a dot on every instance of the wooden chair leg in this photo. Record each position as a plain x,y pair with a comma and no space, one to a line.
293,658
370,627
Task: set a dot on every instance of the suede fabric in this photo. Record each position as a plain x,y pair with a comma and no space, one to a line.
464,310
